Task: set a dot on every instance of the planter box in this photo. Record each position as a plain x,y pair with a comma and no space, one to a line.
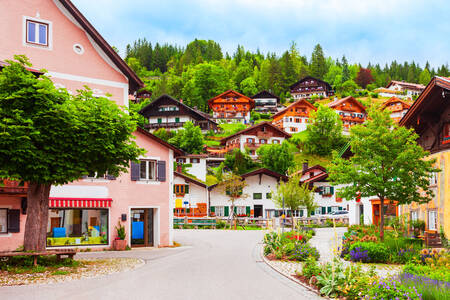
120,245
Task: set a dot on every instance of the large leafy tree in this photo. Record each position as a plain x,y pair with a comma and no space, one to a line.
294,196
387,163
48,137
189,139
324,134
278,158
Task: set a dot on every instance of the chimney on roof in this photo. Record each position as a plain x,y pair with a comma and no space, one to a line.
181,100
305,166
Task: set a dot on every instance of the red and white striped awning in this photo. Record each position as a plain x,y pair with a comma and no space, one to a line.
79,202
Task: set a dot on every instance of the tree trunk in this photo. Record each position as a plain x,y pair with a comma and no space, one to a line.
292,217
35,238
231,215
381,219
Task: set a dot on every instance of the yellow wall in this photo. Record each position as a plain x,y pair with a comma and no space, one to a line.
441,199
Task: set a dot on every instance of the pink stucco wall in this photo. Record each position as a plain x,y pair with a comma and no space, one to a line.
10,241
69,69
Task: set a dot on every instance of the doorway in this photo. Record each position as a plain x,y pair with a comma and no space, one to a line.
142,227
258,211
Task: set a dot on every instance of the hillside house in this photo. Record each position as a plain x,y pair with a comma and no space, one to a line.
266,102
410,89
430,118
171,114
309,86
261,184
350,111
231,107
195,164
254,137
396,107
295,117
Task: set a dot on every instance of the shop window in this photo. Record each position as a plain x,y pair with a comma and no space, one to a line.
37,33
147,170
67,227
3,220
257,196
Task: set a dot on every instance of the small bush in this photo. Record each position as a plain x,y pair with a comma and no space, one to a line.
377,252
303,251
310,267
391,289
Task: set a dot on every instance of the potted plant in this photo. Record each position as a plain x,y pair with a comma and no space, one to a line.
418,226
120,244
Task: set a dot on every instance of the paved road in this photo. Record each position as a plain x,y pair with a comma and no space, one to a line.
326,241
210,265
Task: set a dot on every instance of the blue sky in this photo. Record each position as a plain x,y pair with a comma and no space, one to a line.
364,30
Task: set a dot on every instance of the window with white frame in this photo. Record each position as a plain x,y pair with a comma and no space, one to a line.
318,211
37,33
240,210
148,170
414,215
334,208
433,178
432,220
3,220
219,211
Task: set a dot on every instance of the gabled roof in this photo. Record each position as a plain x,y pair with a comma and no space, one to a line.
312,168
195,112
190,179
265,123
36,72
265,94
134,82
158,140
301,101
310,78
348,98
424,101
252,102
318,178
395,100
414,86
266,172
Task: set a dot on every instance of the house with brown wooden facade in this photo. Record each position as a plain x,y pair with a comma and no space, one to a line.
350,110
430,118
254,137
309,86
266,102
396,107
295,117
231,107
171,114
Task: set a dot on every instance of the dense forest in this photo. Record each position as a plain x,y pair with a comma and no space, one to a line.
201,70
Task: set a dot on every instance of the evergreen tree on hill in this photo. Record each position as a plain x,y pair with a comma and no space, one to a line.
318,67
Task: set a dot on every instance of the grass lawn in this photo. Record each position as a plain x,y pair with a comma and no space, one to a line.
211,143
229,129
211,179
313,160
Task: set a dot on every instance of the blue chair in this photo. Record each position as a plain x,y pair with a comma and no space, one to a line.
59,232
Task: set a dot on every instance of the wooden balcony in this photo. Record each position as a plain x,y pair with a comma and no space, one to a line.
264,135
12,187
352,119
253,146
165,125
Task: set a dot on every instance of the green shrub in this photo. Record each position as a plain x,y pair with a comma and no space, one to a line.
391,289
377,252
435,273
310,267
302,251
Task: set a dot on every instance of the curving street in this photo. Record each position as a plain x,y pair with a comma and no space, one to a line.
210,265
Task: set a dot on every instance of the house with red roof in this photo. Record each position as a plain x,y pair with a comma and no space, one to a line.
231,107
350,110
396,107
295,117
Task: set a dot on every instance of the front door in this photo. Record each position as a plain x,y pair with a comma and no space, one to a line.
258,211
141,227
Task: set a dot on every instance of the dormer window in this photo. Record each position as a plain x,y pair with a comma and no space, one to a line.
37,33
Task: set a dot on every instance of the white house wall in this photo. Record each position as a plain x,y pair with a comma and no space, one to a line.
197,194
197,169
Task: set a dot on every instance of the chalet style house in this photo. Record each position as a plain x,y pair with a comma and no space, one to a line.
191,196
396,107
266,102
310,86
260,185
350,110
295,117
410,89
430,118
140,96
254,137
231,107
166,112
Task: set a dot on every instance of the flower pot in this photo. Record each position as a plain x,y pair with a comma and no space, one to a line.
120,245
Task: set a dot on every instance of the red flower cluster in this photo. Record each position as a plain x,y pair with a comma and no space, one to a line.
295,237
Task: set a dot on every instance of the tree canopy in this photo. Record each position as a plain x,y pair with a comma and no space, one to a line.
239,162
276,157
387,163
189,139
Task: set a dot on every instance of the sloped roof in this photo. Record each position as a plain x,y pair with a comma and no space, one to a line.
414,86
394,100
162,142
32,70
310,78
287,135
281,112
265,94
134,82
267,172
252,102
348,98
199,114
424,101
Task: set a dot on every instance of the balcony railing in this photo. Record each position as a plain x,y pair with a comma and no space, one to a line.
13,187
165,125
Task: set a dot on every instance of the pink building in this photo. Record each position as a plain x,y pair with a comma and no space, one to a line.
55,36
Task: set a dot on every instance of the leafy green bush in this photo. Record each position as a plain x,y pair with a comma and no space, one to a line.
302,251
310,267
391,289
377,252
435,272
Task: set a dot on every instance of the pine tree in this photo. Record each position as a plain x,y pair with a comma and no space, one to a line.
318,67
